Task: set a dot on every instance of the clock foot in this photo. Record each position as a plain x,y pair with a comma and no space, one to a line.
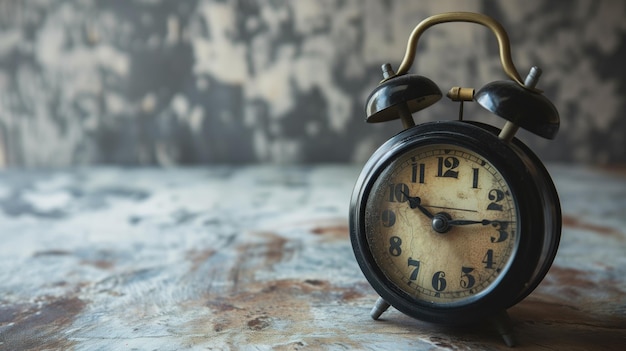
504,326
379,308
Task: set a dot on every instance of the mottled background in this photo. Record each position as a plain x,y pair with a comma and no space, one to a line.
199,82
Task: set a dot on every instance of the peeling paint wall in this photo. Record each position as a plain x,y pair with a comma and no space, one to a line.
187,82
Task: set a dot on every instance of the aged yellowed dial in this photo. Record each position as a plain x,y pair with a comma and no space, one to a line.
441,224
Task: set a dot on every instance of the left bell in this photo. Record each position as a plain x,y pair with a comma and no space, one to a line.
392,98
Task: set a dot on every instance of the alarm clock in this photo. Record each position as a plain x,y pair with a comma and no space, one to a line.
453,222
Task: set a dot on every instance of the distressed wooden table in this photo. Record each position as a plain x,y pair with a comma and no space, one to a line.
259,258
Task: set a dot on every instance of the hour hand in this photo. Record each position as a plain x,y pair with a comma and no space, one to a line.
416,202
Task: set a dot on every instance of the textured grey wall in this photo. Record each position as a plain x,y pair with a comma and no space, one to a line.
179,82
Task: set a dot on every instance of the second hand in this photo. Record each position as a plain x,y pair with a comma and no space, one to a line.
451,208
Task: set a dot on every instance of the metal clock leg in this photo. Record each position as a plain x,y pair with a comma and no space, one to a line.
379,308
504,326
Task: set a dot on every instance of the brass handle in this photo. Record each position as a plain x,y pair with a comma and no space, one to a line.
496,28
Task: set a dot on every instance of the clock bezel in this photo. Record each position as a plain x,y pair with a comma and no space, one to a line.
528,265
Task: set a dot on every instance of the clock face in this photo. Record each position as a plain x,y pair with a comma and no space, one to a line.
442,224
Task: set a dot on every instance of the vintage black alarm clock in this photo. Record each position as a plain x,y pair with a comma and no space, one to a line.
453,222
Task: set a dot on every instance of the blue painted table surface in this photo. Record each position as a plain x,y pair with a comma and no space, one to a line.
258,258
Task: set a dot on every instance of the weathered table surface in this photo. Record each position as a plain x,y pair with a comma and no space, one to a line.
259,258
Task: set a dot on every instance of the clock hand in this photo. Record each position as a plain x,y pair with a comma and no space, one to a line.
442,222
451,208
455,222
416,202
